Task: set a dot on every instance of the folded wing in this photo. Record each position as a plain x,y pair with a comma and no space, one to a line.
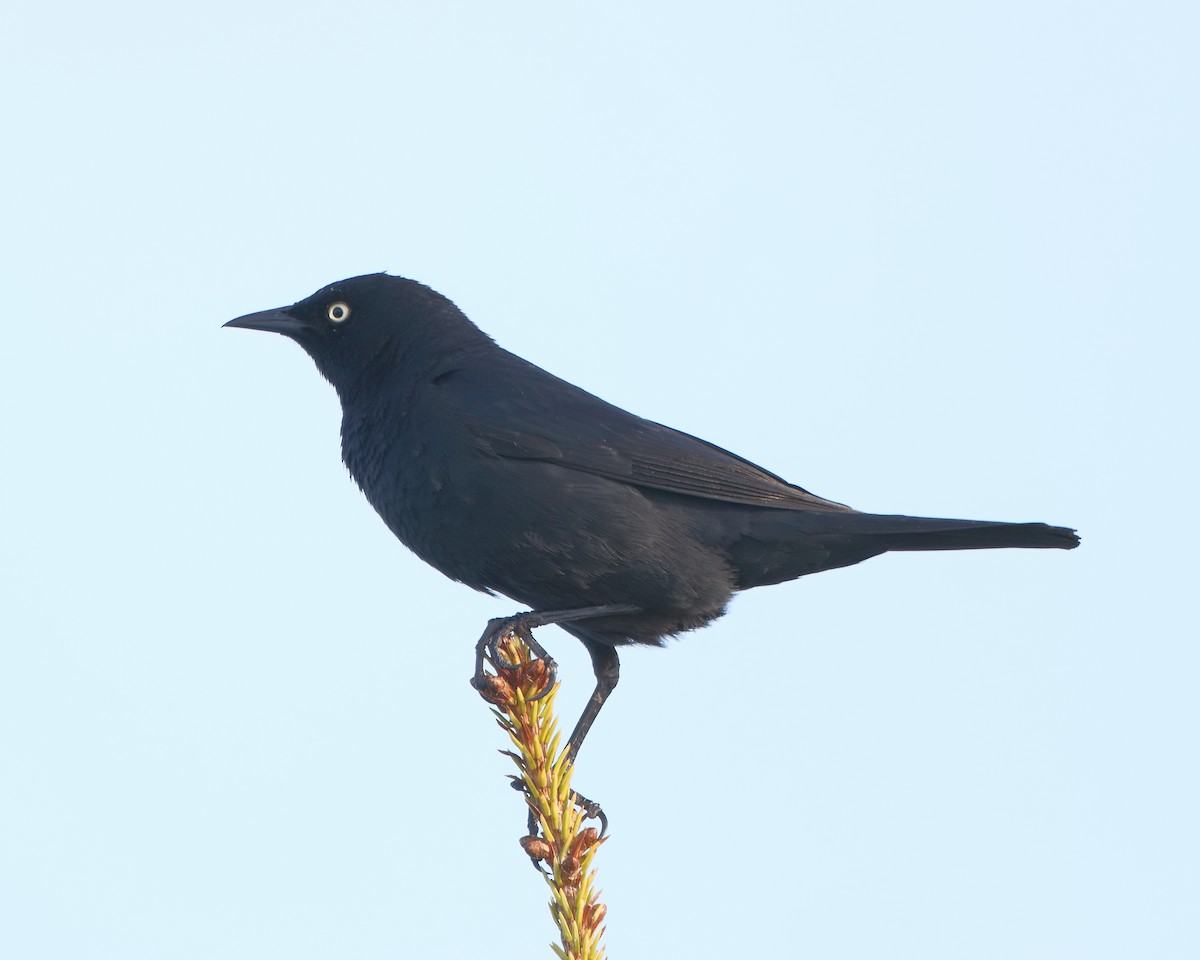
578,431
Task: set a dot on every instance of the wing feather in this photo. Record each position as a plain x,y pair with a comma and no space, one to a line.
579,431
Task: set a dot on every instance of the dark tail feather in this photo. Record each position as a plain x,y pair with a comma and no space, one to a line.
780,545
920,533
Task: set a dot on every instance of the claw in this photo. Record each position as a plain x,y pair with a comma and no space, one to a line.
551,678
592,810
499,659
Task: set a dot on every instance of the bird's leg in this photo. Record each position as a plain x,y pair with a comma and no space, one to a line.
605,664
607,667
523,624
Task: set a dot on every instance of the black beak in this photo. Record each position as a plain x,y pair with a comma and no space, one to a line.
273,321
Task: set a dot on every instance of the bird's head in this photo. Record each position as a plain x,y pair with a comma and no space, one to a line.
369,322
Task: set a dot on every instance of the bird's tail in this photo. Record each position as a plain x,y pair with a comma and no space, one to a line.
774,546
931,533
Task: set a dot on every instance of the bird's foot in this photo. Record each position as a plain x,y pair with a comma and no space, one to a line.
592,810
535,845
523,625
488,648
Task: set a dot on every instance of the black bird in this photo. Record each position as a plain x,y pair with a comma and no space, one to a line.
512,481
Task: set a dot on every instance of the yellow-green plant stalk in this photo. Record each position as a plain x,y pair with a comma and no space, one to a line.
564,844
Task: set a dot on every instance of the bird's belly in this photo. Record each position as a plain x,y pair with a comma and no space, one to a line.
558,539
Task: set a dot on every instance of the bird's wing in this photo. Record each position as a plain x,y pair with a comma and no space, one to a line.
557,422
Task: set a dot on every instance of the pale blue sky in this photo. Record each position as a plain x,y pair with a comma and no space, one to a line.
926,258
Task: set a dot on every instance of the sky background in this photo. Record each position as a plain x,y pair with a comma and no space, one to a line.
926,258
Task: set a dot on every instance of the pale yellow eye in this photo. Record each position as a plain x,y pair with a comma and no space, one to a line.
338,312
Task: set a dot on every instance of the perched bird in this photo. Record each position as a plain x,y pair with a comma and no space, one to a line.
512,481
